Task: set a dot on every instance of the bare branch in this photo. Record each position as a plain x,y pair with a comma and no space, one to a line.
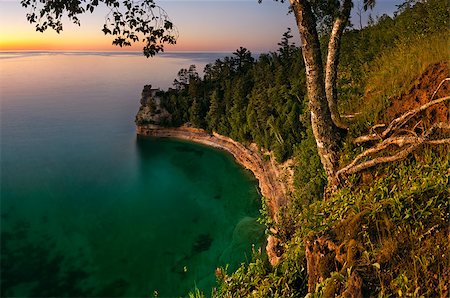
350,116
412,142
399,141
376,161
367,138
439,87
398,122
378,126
439,142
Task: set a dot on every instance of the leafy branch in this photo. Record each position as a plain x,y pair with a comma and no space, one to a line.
129,21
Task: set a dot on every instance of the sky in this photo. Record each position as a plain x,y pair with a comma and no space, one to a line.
203,25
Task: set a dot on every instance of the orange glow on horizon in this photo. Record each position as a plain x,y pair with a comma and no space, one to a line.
49,45
23,37
52,41
16,34
42,43
28,40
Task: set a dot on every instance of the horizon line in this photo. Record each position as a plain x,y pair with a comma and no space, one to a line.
109,51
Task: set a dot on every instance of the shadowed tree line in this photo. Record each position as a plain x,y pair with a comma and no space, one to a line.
250,101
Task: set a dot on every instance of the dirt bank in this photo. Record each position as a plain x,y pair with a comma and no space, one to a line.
420,93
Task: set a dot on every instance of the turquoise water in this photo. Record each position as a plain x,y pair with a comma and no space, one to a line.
88,208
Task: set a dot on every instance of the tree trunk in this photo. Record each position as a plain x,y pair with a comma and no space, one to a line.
334,46
325,132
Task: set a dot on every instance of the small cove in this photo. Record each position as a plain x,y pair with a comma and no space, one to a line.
89,209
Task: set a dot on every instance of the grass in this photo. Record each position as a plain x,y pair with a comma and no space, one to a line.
399,223
393,232
393,73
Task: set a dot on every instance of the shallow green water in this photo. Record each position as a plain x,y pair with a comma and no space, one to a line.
89,209
162,223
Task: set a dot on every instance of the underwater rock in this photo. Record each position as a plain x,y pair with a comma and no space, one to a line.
202,243
248,229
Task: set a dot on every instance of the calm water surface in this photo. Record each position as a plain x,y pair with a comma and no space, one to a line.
89,209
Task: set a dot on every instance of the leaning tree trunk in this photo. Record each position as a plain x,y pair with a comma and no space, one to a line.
325,132
334,46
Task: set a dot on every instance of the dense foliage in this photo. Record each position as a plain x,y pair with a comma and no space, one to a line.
250,101
393,233
391,230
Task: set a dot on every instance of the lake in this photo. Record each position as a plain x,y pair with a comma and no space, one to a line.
90,209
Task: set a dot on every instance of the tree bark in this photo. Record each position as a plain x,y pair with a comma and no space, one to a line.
334,47
325,132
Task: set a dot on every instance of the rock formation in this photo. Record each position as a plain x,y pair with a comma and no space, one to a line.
151,112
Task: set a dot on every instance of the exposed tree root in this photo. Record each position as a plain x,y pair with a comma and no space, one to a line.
411,143
406,140
397,123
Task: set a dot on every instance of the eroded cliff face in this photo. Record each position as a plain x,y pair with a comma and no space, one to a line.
265,171
151,112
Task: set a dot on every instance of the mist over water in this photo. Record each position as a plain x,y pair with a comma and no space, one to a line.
89,209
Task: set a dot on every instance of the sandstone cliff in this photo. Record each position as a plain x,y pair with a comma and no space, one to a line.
150,111
267,173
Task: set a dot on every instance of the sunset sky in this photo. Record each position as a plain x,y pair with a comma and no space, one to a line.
208,25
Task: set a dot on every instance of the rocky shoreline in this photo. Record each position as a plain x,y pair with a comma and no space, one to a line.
274,179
